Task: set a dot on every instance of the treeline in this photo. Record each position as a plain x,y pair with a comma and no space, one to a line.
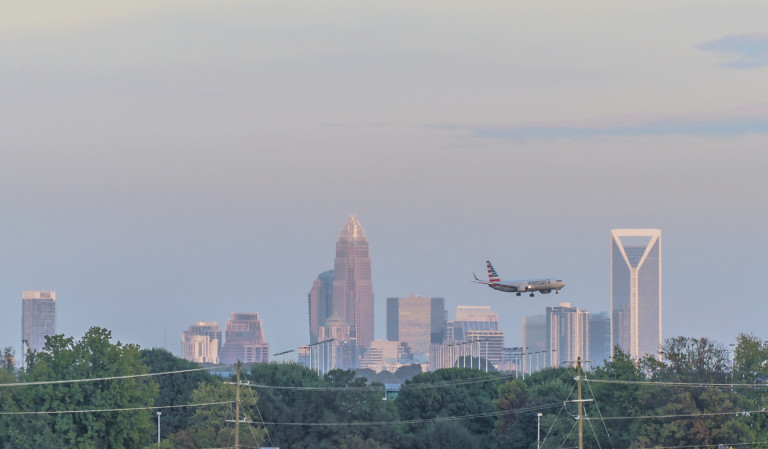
692,398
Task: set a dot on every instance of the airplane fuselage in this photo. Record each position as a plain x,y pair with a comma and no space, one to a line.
543,286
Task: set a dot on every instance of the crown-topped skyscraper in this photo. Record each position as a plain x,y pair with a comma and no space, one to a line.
352,286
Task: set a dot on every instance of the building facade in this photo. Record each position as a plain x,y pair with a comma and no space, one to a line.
636,291
352,296
201,343
599,338
534,340
320,300
38,319
567,334
418,322
244,340
471,339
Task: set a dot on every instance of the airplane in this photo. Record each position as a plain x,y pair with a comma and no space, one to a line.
542,286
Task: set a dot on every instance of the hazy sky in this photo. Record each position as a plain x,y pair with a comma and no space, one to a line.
163,163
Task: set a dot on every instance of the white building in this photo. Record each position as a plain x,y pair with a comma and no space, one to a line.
201,343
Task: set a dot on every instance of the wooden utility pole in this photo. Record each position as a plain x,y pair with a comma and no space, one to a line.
237,407
581,415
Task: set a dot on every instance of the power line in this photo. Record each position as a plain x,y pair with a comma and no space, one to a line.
408,386
691,415
416,421
707,445
674,384
97,379
102,410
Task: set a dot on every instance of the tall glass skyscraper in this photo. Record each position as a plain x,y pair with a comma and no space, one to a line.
636,291
38,318
352,298
320,300
417,321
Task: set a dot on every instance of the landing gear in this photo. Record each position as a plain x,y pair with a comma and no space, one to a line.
557,291
518,293
531,295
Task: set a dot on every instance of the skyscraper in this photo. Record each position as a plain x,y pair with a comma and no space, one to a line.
320,303
636,291
534,340
201,343
567,335
418,322
38,318
480,324
599,338
352,297
245,340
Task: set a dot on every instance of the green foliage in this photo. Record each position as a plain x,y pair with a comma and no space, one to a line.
8,360
451,397
209,426
173,389
93,356
352,400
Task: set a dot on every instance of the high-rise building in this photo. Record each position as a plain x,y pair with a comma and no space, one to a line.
471,340
385,355
599,338
38,318
418,322
201,343
320,304
636,291
567,331
245,340
534,340
352,297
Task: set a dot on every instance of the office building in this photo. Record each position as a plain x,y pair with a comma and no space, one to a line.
418,322
320,304
244,340
386,355
201,343
474,336
636,291
599,338
567,334
38,319
352,296
534,341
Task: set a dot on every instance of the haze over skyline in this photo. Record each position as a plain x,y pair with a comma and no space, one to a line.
164,164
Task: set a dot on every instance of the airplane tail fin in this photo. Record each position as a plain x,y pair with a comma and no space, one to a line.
493,278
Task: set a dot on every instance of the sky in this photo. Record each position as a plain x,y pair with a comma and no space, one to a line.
163,163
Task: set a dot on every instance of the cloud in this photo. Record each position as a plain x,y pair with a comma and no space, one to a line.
737,122
746,51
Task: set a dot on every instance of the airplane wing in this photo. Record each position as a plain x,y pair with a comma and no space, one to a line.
479,281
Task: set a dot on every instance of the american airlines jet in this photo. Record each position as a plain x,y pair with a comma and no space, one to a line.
543,286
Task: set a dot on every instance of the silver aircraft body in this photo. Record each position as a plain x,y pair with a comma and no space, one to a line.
529,286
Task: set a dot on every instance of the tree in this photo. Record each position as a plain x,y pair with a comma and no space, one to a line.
8,359
450,393
173,389
93,356
213,426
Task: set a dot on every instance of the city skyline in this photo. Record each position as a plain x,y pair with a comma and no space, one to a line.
171,163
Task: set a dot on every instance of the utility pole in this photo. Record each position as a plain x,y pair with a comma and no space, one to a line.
581,415
237,407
